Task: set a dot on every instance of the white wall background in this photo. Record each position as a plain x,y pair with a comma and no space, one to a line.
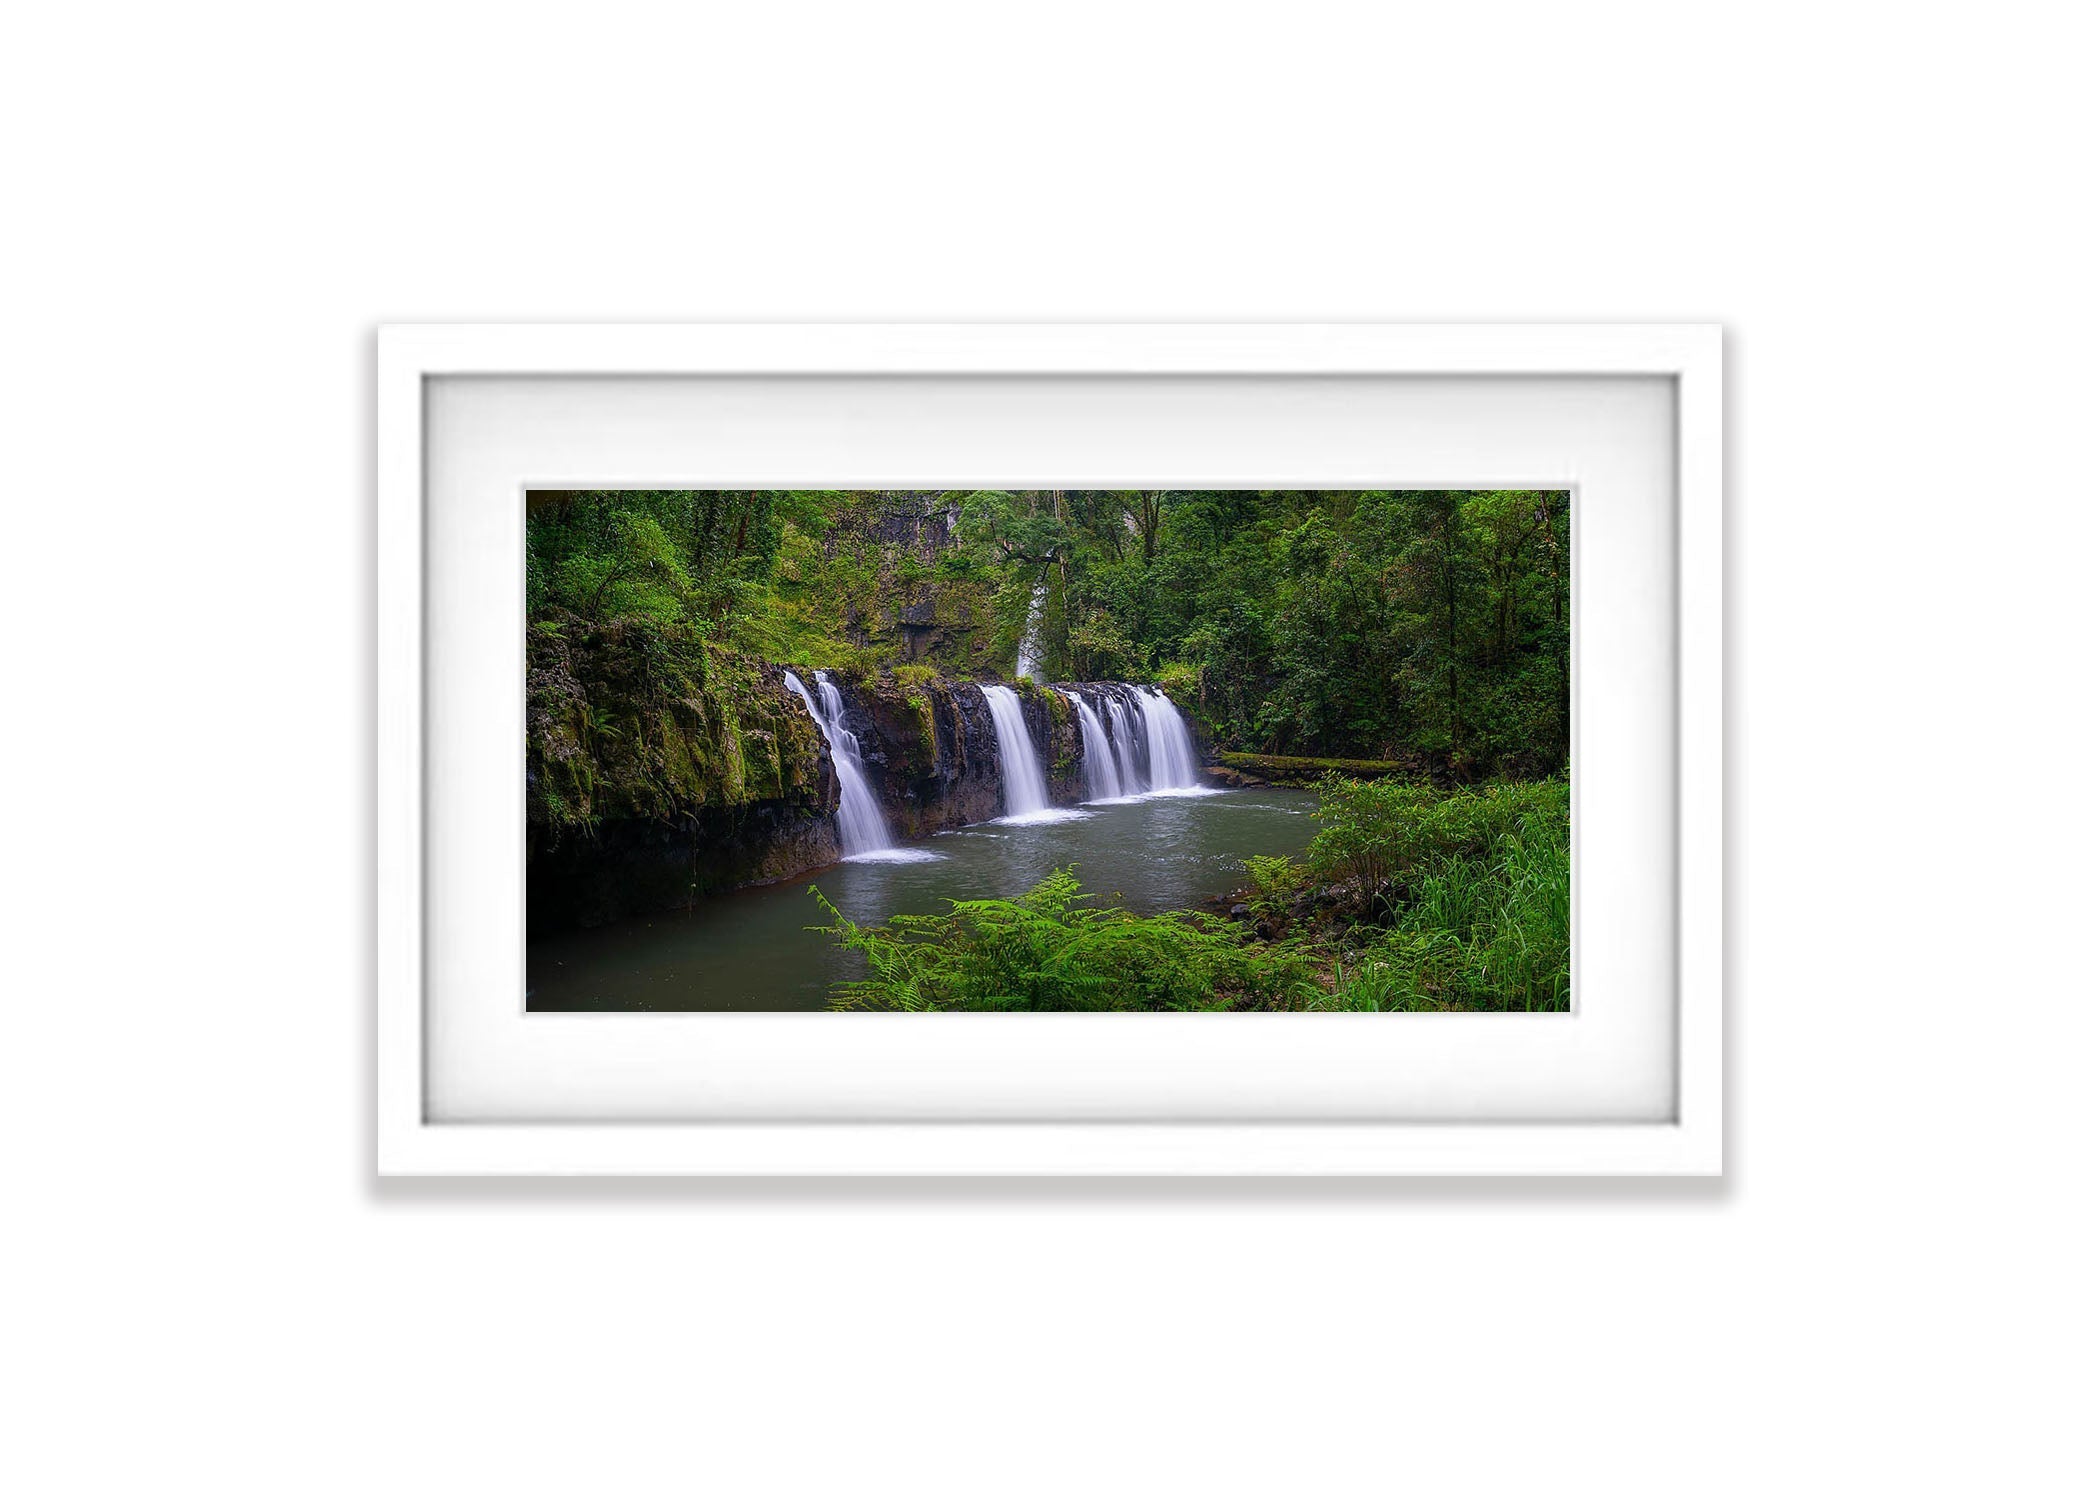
208,207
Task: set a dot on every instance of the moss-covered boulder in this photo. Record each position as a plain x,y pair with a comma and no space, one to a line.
660,768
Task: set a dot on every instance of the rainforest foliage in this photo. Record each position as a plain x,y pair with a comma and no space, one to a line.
1406,652
1426,627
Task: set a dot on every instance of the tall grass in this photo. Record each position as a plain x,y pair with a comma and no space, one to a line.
1478,888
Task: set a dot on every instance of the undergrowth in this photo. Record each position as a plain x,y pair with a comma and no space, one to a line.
1464,897
1051,950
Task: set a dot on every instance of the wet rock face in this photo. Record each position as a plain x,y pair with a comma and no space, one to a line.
632,866
1054,726
922,522
930,752
659,770
940,618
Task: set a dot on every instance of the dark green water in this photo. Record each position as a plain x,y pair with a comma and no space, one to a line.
749,950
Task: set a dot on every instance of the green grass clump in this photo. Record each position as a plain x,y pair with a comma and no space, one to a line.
1179,681
1476,885
1050,950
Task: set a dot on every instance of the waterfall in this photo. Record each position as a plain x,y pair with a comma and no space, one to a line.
1029,666
1019,771
861,829
1123,739
1171,752
1102,778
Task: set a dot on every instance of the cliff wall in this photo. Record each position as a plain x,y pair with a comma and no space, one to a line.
660,770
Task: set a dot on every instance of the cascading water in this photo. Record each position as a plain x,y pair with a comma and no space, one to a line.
1102,778
1123,739
1144,748
1118,760
862,832
1029,665
1171,753
1020,773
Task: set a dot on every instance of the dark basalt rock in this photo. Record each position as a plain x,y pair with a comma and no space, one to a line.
629,866
932,753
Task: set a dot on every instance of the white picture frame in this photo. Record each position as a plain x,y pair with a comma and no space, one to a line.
1684,1139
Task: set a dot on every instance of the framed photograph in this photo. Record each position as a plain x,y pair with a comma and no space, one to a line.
1087,750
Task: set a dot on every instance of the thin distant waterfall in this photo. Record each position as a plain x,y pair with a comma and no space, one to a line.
1019,771
1102,777
861,828
1029,665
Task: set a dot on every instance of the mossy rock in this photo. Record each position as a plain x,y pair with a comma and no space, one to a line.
639,719
1305,770
929,739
